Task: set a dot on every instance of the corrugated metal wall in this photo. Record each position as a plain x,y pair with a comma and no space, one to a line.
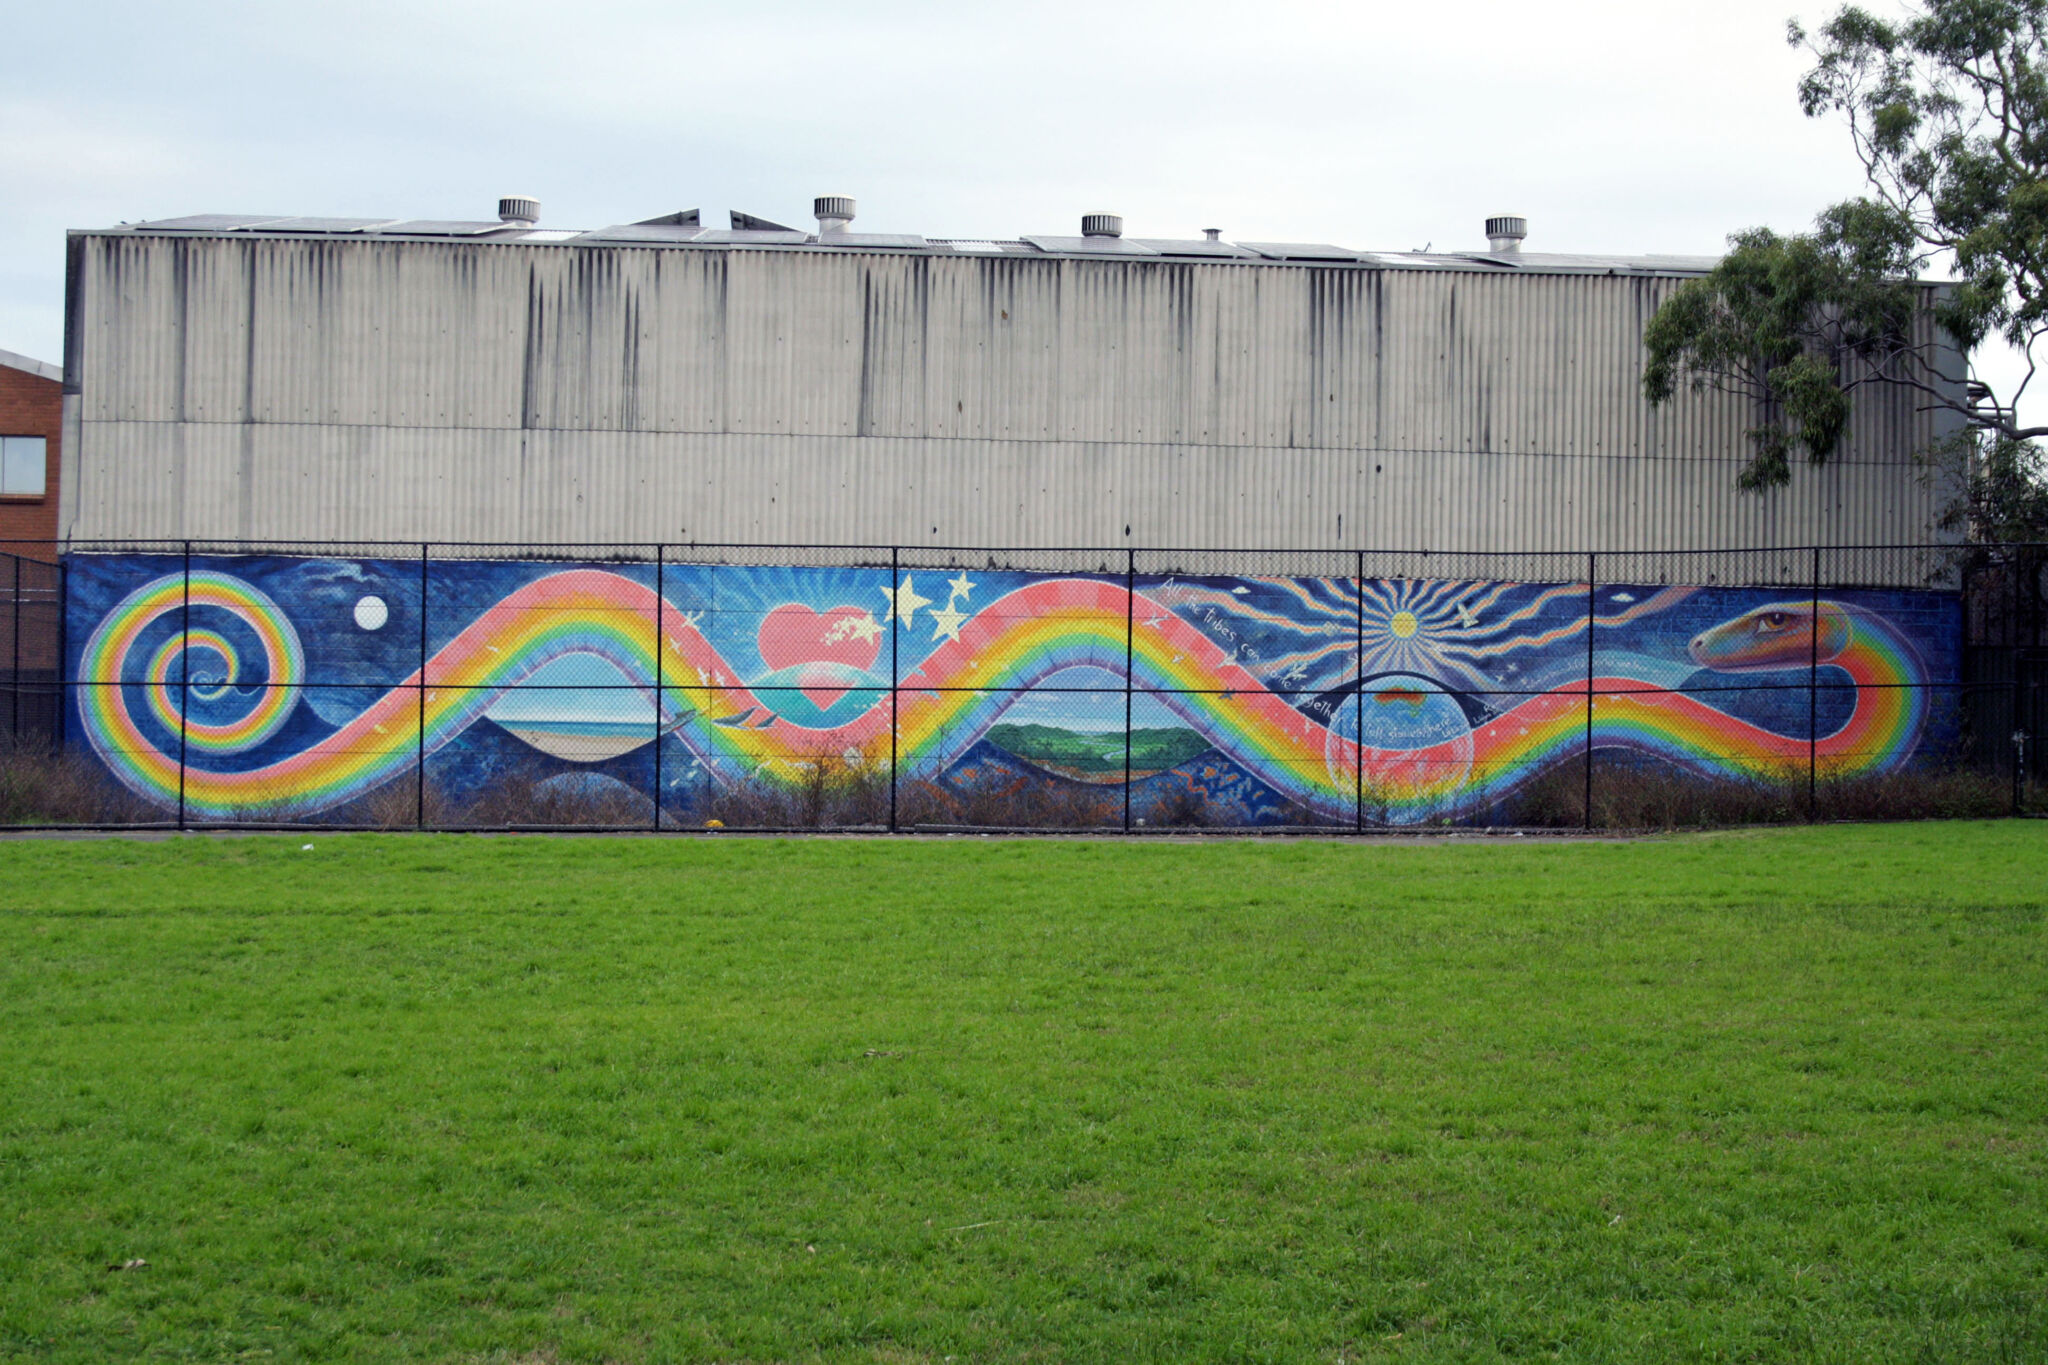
285,388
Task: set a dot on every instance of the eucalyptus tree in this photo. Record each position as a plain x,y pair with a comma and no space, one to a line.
1946,107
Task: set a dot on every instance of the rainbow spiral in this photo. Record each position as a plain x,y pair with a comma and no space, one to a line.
201,663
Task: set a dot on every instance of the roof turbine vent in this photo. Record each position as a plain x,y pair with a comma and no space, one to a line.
1101,225
834,212
1505,233
522,210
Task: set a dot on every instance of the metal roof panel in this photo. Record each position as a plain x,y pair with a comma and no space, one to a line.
209,222
1192,246
1302,251
1589,264
315,224
30,365
441,227
754,237
647,232
1089,246
891,240
676,229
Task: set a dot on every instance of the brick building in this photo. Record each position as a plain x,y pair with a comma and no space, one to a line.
31,409
31,404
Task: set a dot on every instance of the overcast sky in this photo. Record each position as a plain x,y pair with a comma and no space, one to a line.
1625,127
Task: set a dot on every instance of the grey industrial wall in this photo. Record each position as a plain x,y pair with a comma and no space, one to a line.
294,388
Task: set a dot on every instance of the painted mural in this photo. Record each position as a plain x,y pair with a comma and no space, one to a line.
274,687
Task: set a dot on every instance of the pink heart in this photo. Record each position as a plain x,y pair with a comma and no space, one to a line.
794,634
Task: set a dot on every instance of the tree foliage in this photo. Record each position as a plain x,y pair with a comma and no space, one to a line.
1948,112
1947,109
2001,487
1776,321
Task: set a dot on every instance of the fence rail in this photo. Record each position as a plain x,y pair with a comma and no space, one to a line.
668,687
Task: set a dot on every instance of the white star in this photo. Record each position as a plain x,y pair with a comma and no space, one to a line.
863,628
946,623
960,586
904,601
1465,615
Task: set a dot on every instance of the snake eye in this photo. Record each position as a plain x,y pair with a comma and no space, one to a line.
1772,621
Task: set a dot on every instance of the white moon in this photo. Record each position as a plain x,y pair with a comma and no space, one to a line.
371,613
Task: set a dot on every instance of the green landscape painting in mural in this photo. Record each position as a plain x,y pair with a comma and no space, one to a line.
1097,753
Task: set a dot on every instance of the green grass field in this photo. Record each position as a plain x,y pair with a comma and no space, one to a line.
1751,1096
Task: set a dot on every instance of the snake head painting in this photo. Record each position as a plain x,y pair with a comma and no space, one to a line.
1776,635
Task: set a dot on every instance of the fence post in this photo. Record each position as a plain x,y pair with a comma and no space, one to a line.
420,740
1592,613
2017,634
2019,758
184,678
1130,621
1358,696
895,673
14,675
64,694
1813,700
660,606
2026,633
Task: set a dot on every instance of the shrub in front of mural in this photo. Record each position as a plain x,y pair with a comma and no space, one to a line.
995,800
822,790
40,785
1635,796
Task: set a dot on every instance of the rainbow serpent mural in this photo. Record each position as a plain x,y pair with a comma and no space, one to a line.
1276,698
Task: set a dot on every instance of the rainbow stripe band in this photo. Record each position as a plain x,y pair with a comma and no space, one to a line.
941,709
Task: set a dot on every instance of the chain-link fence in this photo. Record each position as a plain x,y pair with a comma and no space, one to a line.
664,687
31,641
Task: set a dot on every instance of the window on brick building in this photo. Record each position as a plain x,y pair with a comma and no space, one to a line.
22,462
